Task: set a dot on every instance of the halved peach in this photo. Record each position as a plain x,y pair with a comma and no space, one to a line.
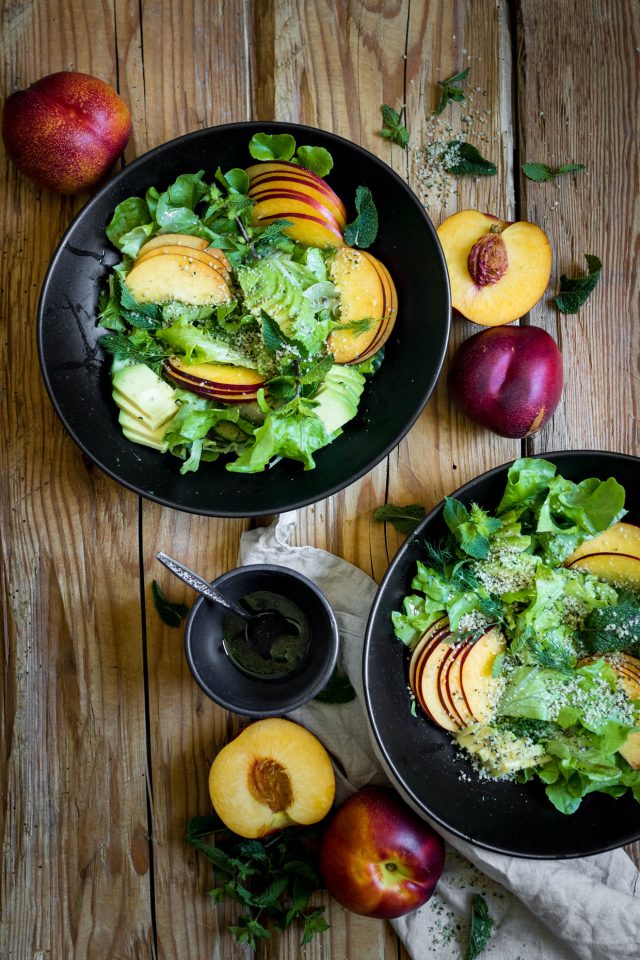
201,256
274,774
498,270
174,239
615,568
619,538
366,293
176,277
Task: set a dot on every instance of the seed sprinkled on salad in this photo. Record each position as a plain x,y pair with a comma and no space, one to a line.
524,631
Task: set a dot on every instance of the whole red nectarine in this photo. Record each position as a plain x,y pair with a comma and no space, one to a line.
378,858
66,131
508,379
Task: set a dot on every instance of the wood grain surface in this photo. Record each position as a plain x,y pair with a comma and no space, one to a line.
106,741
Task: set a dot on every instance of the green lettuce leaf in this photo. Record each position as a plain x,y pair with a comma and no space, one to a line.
197,346
527,482
131,225
294,432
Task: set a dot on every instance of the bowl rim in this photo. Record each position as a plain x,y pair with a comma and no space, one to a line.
151,155
310,691
388,762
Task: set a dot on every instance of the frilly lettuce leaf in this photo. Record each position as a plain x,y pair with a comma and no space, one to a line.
294,432
188,436
197,346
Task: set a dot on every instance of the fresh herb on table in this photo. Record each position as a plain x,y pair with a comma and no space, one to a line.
450,92
575,291
169,612
404,519
481,924
393,128
464,160
541,173
273,878
338,689
362,231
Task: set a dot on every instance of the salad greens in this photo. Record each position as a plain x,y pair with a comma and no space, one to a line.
283,308
558,696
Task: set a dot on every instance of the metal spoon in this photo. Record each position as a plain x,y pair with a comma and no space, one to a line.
261,629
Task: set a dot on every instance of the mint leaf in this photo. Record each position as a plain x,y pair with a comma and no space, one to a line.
393,128
337,690
481,924
575,291
362,231
170,613
314,923
404,519
607,629
316,159
451,92
463,160
541,173
266,146
471,528
247,931
273,337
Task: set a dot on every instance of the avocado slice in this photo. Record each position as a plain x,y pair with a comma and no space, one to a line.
338,397
142,393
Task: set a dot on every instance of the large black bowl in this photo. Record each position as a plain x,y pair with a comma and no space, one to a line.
75,369
499,815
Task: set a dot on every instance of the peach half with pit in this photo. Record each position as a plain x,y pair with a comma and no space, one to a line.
367,293
498,270
274,774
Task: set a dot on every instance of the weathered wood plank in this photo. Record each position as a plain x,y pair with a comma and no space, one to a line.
73,813
595,211
584,107
443,451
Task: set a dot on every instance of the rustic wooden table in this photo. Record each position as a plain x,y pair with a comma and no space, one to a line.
106,740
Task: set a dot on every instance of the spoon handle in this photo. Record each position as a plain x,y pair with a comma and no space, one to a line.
200,585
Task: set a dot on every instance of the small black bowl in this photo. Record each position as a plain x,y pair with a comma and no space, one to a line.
76,369
499,815
229,686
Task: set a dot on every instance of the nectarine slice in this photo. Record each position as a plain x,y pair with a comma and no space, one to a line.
427,686
202,256
427,637
453,688
366,293
479,687
176,277
284,168
614,568
173,239
274,774
312,229
497,270
619,538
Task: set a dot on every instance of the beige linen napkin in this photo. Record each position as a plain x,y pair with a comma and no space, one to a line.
587,908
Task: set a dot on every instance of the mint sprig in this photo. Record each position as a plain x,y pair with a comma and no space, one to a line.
481,924
575,291
404,519
169,612
450,92
393,128
273,879
541,173
362,231
471,528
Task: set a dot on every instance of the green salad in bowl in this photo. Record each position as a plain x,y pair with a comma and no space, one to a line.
245,316
524,627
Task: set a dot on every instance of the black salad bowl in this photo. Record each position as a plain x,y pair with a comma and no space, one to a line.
230,687
503,816
76,370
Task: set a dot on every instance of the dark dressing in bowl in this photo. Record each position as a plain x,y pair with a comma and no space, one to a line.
287,651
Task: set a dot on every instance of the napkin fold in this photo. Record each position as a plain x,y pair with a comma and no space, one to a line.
587,908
